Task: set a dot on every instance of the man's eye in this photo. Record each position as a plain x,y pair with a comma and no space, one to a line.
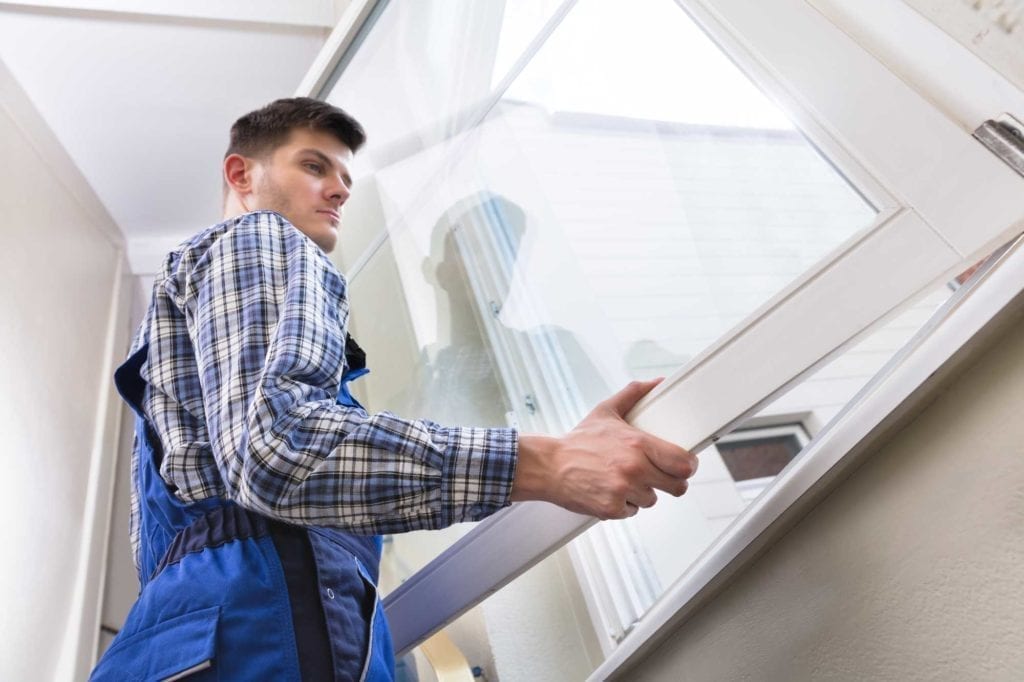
315,167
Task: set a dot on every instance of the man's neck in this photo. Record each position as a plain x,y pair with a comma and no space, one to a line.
234,207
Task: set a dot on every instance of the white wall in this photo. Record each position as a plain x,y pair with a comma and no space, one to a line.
912,569
121,582
61,283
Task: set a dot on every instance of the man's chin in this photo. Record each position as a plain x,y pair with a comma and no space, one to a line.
324,236
328,241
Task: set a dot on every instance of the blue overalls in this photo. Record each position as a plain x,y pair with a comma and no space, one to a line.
228,594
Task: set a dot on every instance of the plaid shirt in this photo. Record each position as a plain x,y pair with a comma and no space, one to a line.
246,334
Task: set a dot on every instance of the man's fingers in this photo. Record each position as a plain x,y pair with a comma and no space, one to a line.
626,510
665,466
654,464
668,457
642,497
624,401
673,485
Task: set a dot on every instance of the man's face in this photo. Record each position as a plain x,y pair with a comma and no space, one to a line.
306,180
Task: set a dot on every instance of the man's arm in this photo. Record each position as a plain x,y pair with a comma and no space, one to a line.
266,315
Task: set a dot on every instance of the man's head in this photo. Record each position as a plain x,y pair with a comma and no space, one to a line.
293,156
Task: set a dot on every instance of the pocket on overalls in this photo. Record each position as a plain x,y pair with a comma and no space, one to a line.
177,649
355,621
378,665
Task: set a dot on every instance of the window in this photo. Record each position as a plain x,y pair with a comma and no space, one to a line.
552,231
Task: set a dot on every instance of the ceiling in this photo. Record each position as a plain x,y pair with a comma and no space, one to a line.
141,94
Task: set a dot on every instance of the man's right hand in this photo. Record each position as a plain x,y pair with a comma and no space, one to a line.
604,467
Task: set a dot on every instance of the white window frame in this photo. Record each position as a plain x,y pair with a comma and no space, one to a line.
944,202
994,297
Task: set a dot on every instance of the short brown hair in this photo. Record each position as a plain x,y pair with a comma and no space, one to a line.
260,132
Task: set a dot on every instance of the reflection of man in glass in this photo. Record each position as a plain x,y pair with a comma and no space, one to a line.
259,481
460,382
484,367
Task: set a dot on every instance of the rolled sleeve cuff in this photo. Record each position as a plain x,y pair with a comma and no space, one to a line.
476,478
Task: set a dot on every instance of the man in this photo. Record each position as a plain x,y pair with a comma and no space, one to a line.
259,481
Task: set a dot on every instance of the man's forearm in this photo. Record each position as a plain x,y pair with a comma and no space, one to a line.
533,468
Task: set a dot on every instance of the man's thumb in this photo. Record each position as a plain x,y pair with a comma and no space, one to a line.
624,401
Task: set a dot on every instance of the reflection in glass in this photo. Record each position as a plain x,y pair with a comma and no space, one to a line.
755,456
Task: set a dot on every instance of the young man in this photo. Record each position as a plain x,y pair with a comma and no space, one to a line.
259,482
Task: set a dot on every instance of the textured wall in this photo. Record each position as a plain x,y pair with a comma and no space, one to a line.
912,569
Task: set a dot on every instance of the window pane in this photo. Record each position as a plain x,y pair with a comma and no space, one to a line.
617,211
423,64
411,84
435,367
576,248
520,23
662,68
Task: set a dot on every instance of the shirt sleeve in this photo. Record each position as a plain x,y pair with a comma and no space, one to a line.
266,313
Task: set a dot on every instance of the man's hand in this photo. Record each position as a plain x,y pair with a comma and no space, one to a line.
604,467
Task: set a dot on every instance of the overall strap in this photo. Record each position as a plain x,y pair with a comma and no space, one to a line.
366,547
129,381
161,515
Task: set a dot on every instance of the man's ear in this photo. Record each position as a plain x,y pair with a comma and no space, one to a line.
238,173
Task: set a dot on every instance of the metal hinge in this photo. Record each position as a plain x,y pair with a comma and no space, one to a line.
1004,137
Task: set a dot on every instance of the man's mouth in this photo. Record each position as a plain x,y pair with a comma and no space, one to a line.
335,216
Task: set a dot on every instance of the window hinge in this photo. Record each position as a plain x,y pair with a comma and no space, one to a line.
1004,137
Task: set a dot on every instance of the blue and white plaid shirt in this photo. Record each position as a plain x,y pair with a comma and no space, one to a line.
246,334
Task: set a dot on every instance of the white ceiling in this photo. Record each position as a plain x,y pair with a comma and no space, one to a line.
141,94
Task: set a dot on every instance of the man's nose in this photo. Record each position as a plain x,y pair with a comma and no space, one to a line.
338,190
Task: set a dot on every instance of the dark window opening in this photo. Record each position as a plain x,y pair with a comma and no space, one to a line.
758,457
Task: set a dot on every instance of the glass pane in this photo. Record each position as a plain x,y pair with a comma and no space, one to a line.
427,360
424,64
411,82
613,214
576,249
662,68
520,24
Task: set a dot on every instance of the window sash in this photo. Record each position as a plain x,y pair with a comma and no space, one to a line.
934,186
507,544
